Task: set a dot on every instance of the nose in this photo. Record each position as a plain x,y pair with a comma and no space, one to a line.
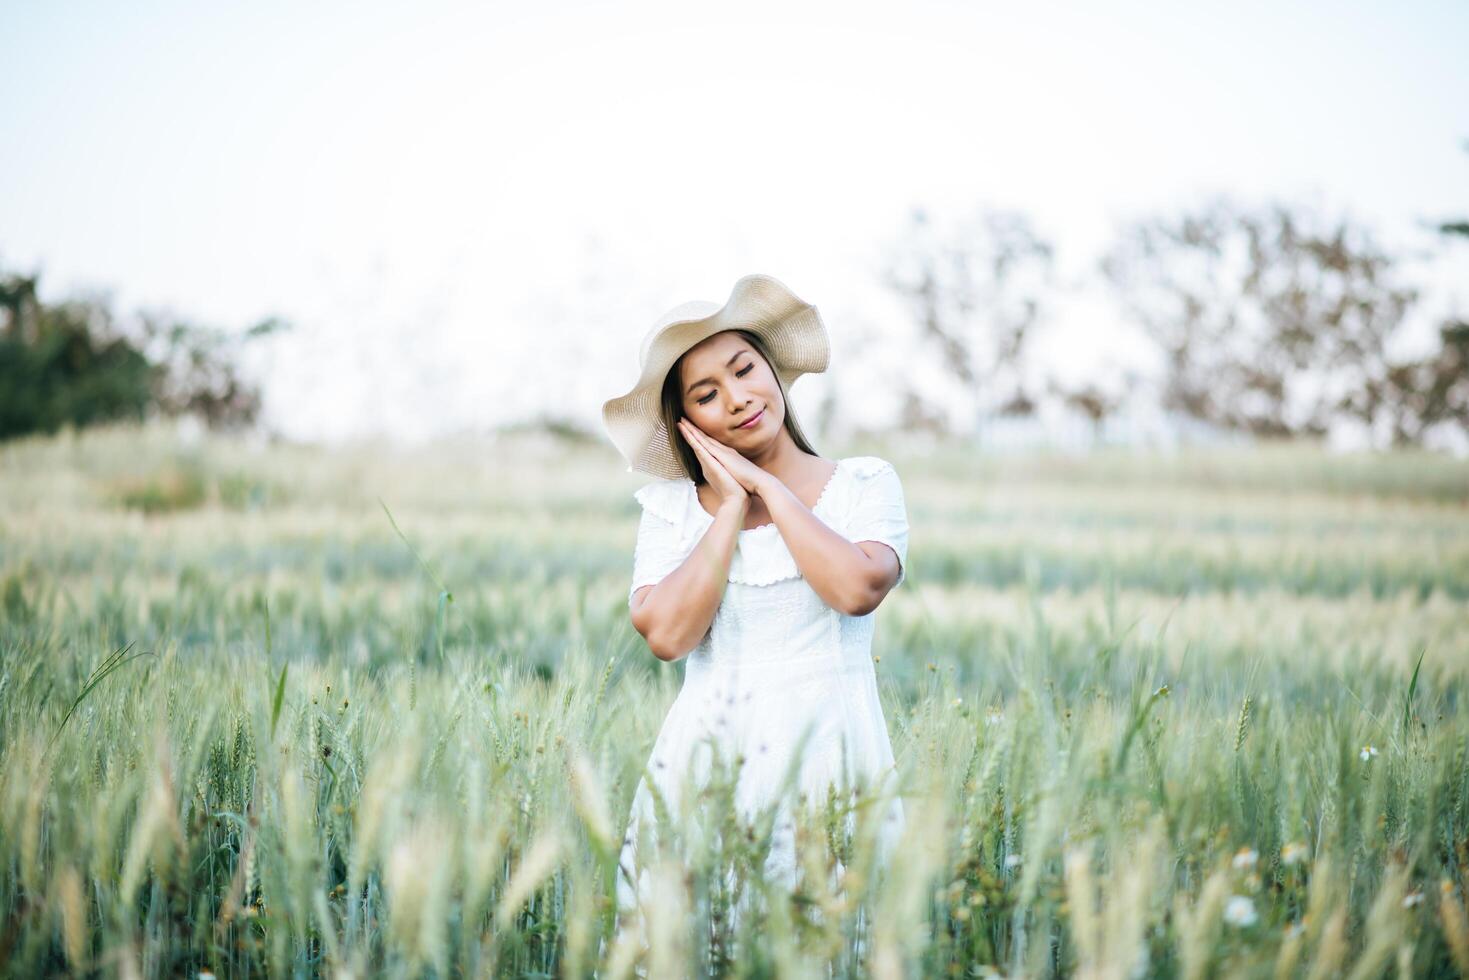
737,399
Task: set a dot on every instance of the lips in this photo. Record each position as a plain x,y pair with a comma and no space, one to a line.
748,423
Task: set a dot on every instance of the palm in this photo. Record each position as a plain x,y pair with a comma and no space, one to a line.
716,473
744,472
738,467
721,478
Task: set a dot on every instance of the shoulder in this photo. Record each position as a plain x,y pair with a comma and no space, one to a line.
871,482
866,468
666,498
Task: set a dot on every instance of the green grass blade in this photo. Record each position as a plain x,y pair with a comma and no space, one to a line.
1412,690
111,662
445,594
275,703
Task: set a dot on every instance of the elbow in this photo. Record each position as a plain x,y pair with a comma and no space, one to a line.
862,602
659,645
642,623
867,593
871,586
663,650
670,645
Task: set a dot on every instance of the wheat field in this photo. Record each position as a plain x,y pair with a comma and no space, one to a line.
380,712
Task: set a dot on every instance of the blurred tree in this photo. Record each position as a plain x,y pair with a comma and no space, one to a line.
558,427
197,370
1269,322
1088,399
916,415
1434,391
976,292
71,363
64,363
1419,396
1458,226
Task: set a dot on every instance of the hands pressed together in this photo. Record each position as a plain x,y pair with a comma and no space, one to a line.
848,576
733,476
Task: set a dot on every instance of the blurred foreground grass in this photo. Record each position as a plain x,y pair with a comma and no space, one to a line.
1154,715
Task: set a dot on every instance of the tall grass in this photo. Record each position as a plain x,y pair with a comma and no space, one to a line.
1173,716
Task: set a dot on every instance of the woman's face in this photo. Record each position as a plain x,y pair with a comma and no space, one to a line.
726,382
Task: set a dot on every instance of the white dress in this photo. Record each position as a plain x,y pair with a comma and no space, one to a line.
776,660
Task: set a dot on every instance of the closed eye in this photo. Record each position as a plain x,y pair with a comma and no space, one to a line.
738,374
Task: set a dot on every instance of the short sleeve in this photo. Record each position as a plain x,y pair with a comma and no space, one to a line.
658,550
879,513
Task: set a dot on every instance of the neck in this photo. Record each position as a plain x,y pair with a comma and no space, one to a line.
782,459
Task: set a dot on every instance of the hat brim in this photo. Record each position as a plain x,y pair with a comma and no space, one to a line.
791,329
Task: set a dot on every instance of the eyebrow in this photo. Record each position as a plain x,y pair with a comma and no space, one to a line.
710,381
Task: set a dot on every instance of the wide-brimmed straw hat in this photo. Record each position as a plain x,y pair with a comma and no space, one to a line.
790,328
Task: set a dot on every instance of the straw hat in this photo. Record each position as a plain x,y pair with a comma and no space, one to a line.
790,328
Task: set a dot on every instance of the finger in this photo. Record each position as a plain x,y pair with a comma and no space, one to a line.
703,439
711,446
710,443
711,462
720,450
689,433
705,458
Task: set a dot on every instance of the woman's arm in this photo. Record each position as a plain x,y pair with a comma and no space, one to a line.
674,614
851,578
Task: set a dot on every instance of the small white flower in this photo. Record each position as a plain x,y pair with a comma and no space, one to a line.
958,701
994,717
1368,751
1240,911
1245,858
1011,860
1293,853
1411,899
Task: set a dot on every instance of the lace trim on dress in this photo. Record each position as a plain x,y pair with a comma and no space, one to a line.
867,466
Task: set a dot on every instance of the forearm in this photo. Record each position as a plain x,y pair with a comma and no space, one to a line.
836,569
676,614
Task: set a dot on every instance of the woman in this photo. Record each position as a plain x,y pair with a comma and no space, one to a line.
762,564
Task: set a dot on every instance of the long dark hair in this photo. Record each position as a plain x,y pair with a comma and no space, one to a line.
671,403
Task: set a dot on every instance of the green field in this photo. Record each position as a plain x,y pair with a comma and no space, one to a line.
1154,714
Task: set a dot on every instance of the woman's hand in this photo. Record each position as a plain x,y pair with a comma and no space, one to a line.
729,488
750,477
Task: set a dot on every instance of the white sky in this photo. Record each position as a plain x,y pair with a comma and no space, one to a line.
473,212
